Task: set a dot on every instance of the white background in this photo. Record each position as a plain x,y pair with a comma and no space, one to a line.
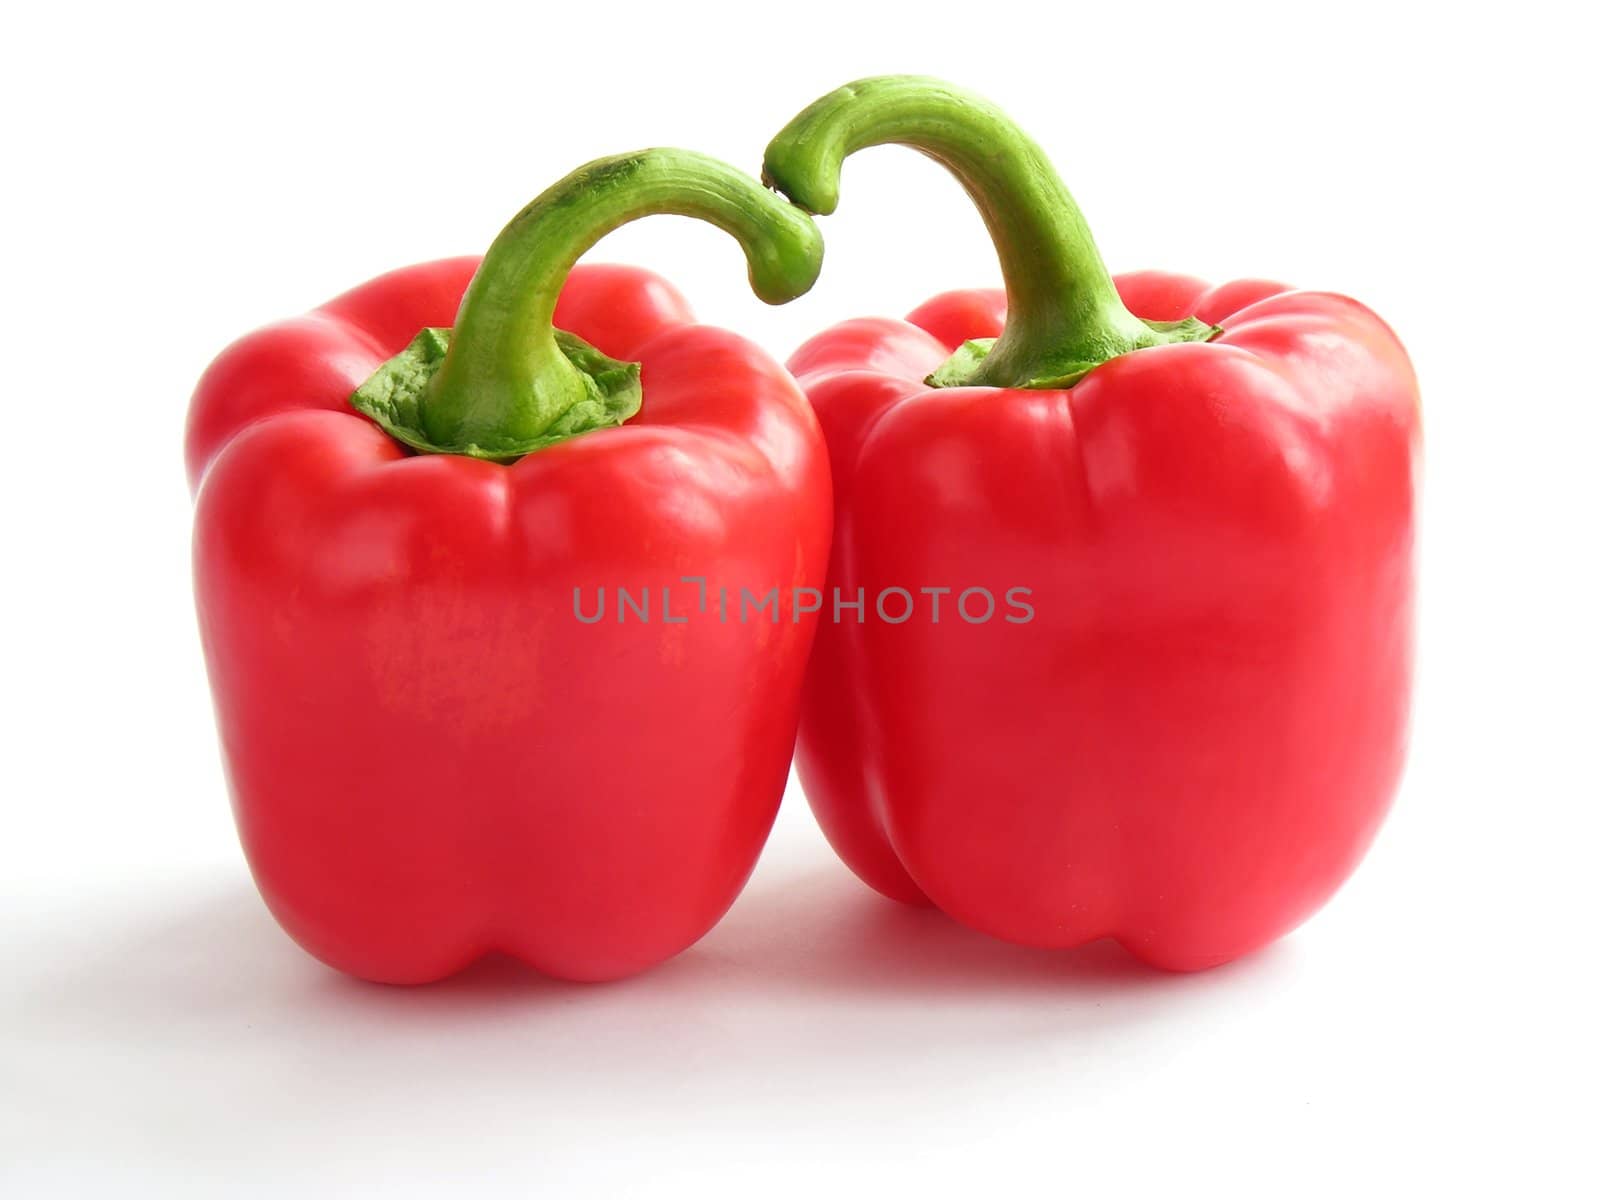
176,177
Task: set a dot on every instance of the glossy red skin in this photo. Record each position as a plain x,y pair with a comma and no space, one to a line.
430,757
1193,742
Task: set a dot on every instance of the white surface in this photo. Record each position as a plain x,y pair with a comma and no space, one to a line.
177,177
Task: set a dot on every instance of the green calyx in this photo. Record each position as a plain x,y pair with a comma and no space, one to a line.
504,381
969,366
1064,315
393,396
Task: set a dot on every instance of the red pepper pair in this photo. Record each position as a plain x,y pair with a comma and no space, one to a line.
1171,528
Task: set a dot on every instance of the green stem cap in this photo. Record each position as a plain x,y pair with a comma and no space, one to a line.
505,382
1064,315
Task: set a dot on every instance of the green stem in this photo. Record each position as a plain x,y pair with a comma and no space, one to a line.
1064,315
505,381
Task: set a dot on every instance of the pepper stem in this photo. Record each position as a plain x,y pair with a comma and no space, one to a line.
1064,314
505,381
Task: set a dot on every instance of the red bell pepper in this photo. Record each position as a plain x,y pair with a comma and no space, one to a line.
1186,727
434,751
